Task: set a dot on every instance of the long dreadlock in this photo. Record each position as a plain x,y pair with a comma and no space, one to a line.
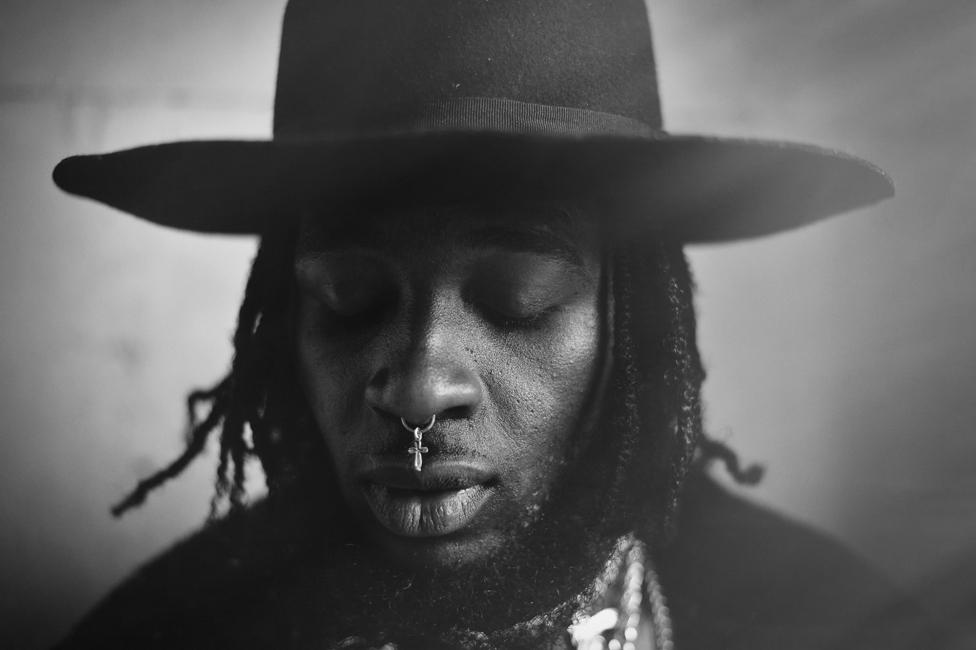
245,401
656,406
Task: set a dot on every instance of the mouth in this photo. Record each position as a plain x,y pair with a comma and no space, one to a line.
442,499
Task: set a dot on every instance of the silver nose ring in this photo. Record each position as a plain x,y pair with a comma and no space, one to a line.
417,448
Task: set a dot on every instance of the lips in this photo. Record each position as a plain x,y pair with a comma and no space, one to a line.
442,499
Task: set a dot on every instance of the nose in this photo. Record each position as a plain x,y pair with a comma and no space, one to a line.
435,378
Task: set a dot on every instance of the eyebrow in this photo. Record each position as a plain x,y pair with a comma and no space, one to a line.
552,237
541,241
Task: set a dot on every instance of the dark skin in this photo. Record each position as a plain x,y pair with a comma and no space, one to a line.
488,318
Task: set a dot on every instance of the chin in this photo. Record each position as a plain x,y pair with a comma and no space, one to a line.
456,550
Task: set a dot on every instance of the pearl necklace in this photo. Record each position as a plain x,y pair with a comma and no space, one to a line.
618,627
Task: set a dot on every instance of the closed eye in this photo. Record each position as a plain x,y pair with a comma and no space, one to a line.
519,290
345,290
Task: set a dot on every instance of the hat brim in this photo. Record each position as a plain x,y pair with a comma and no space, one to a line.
697,188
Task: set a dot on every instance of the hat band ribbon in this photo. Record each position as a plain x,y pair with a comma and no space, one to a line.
488,114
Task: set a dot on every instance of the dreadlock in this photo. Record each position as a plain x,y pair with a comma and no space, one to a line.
659,375
257,407
244,403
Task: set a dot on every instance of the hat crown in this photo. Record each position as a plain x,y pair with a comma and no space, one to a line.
447,100
361,67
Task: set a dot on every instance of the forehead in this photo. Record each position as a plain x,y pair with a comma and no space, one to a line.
551,228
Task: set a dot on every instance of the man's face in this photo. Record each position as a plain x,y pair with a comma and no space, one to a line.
488,319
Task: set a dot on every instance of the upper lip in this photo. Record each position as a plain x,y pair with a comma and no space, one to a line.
437,475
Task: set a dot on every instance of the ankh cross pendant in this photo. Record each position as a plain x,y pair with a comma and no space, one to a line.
418,449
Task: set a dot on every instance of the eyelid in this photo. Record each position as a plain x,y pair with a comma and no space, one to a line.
334,280
515,295
522,322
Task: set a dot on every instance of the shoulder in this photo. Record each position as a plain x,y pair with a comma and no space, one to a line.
739,575
201,593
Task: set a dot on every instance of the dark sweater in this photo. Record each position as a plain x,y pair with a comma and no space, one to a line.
737,576
740,576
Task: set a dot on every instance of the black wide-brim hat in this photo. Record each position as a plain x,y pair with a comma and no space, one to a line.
445,100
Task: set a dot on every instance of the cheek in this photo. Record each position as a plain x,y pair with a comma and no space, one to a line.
331,376
541,394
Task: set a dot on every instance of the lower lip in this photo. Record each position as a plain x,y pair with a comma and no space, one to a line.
425,514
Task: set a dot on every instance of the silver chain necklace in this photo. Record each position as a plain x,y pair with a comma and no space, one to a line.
617,626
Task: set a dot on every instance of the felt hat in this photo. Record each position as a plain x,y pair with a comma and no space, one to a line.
450,99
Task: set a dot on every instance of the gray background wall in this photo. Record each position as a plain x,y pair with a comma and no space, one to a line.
842,356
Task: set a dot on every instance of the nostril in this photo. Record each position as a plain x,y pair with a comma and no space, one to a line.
386,414
380,379
454,413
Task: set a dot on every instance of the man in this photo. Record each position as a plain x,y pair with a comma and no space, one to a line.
466,353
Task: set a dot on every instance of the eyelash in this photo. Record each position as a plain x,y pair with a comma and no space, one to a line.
364,319
353,323
515,323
